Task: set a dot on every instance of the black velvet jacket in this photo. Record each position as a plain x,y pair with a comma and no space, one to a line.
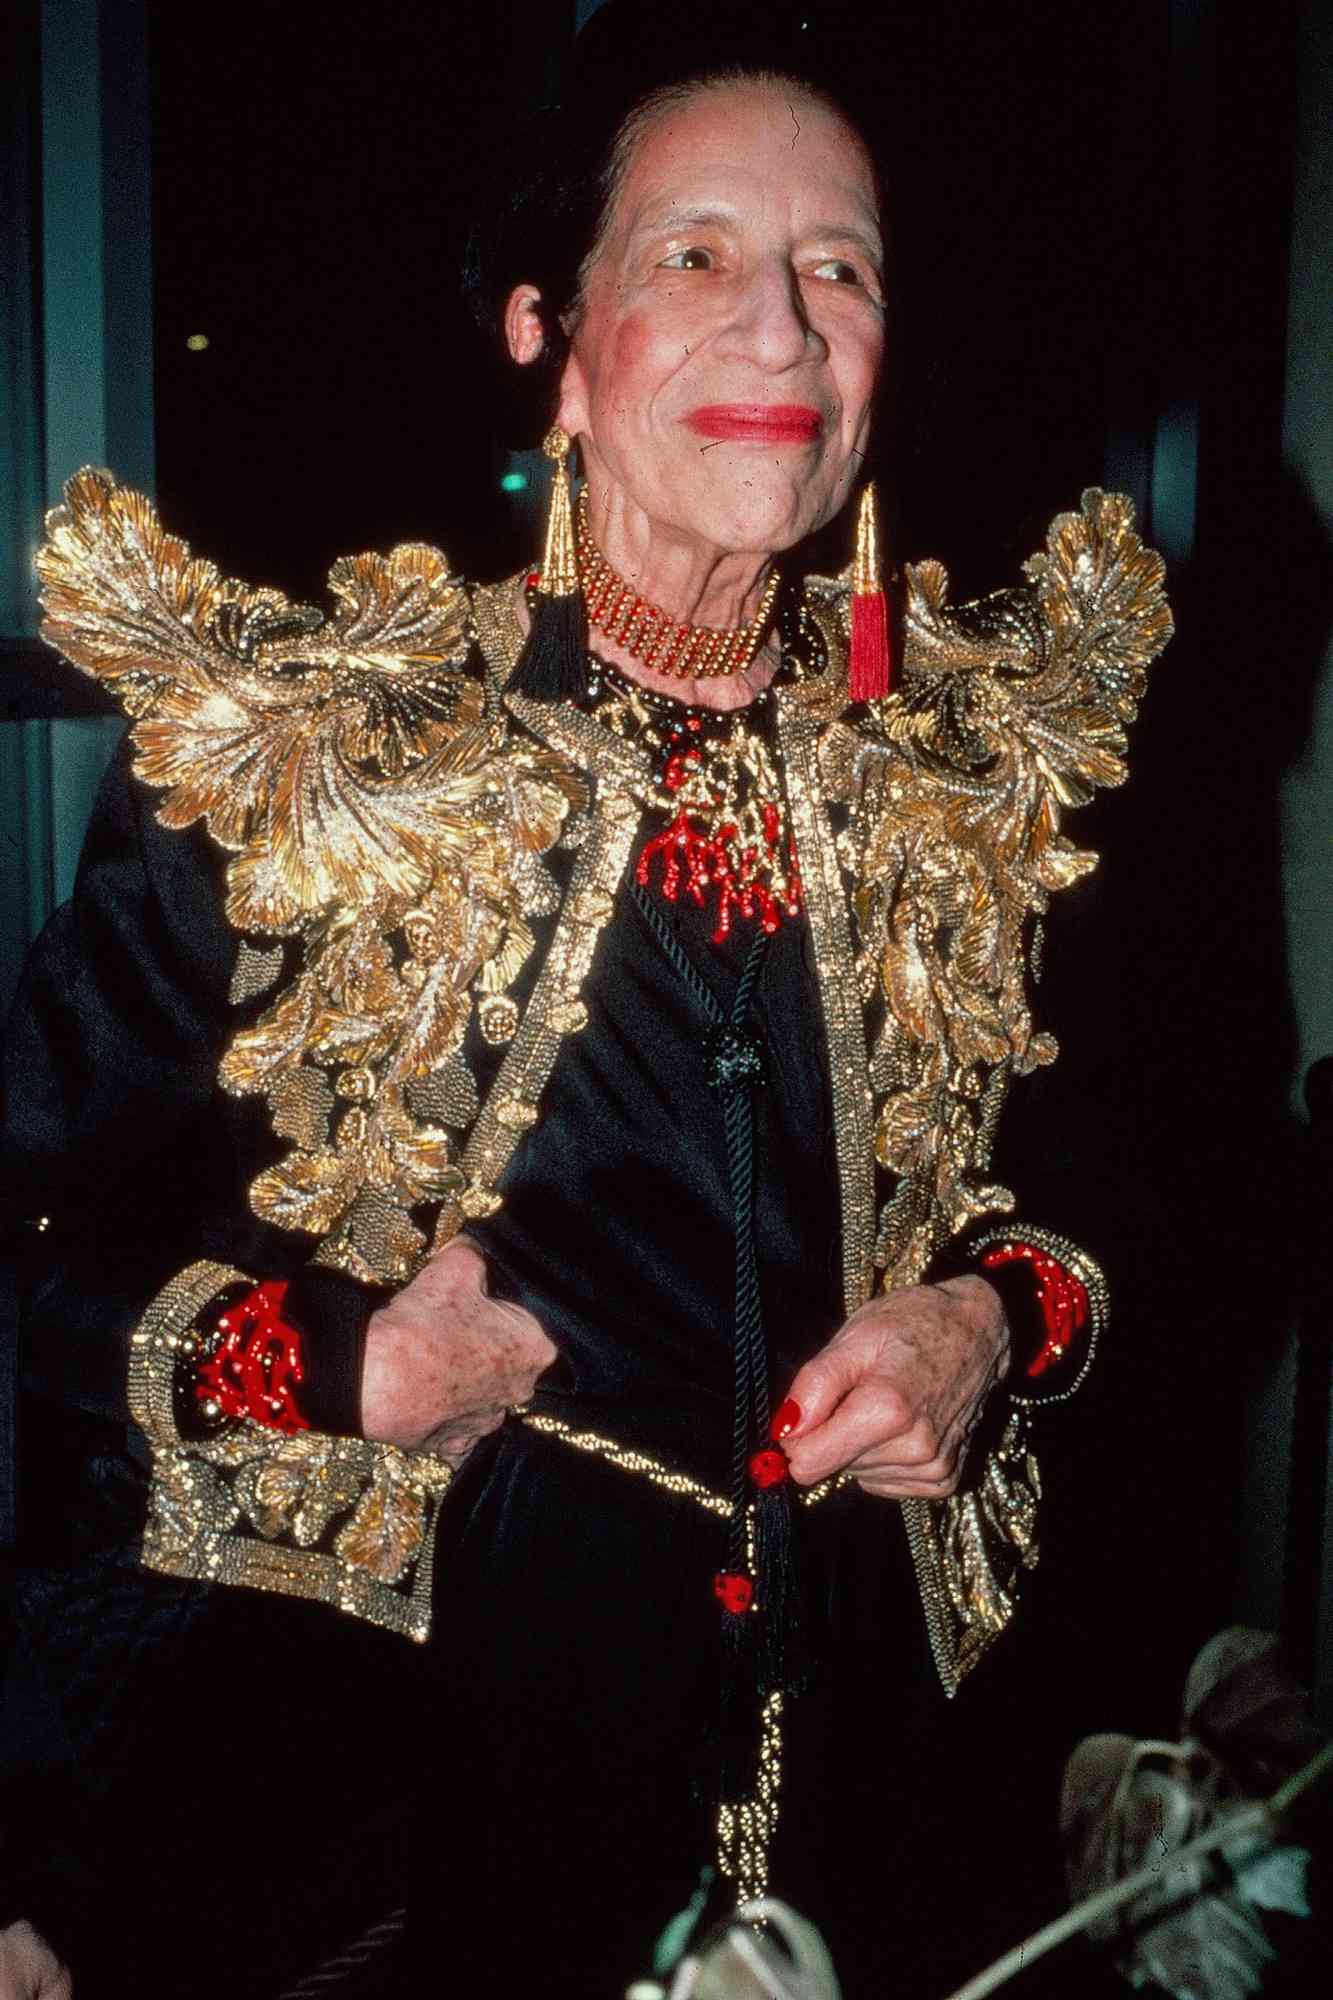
411,849
353,964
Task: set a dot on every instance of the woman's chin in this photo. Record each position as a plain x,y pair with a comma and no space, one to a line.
746,524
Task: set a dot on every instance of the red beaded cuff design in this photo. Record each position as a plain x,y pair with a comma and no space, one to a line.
1070,1295
256,1365
1062,1297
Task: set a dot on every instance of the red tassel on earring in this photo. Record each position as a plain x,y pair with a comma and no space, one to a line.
870,668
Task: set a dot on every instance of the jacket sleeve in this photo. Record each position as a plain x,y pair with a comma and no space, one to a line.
124,1161
122,1144
123,1164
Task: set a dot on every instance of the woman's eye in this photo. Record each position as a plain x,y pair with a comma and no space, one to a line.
840,271
693,259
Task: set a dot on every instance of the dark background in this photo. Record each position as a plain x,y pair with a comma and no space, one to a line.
312,199
1093,234
1093,214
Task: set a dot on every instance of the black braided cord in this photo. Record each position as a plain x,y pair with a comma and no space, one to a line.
750,1406
670,944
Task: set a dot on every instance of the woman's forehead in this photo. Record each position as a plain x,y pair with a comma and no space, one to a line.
731,148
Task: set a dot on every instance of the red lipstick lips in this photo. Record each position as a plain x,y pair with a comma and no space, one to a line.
757,423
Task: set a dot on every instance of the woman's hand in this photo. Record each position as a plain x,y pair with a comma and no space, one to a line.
444,1361
29,1969
897,1393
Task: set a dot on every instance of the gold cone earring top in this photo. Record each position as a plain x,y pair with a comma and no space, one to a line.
553,662
559,571
870,661
866,576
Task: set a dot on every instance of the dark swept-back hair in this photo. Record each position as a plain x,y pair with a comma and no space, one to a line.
630,62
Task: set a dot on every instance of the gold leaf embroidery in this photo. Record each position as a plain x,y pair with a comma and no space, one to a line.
253,974
298,1488
302,1104
371,806
447,1096
380,810
386,1531
986,1538
1012,709
186,1496
252,1506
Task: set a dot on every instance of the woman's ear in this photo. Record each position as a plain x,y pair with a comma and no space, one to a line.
523,327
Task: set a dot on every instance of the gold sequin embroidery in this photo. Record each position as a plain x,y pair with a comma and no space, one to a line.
379,807
335,1519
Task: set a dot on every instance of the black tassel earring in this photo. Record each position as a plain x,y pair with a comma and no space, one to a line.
553,665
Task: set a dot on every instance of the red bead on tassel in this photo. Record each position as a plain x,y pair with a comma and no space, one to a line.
734,1591
870,667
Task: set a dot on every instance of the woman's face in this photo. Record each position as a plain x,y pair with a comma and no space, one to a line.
722,370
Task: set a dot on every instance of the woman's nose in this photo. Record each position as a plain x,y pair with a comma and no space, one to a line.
769,326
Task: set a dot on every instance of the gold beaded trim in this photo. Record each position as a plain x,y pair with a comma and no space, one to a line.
336,1520
745,1830
652,1469
844,1021
629,1460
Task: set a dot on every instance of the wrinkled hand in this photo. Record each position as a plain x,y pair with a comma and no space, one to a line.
29,1969
898,1391
444,1361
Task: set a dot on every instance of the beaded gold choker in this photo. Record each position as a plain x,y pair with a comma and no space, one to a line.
649,634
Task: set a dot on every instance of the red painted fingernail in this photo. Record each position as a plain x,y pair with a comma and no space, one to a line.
785,1422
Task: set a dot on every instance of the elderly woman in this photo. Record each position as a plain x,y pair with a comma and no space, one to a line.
520,1164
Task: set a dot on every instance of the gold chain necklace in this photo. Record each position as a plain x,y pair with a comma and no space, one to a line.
647,633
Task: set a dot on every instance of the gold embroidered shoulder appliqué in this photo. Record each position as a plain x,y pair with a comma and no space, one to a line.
373,806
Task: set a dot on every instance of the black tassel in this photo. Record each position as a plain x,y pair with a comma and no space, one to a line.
782,1642
737,1749
766,1648
553,665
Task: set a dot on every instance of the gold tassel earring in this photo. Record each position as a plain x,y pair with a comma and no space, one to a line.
870,668
553,665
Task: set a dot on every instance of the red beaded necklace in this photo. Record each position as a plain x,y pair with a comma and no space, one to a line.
726,844
649,634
